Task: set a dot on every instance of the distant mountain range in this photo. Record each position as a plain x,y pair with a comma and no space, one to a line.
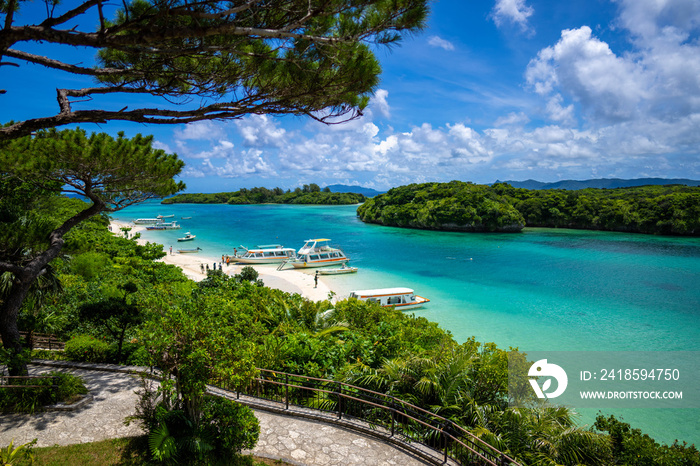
342,188
602,183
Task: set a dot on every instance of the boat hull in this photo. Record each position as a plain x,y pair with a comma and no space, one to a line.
420,301
339,271
318,263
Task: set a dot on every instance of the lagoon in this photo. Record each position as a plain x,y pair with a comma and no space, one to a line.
542,289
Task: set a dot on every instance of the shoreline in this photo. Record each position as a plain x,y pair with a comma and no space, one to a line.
289,280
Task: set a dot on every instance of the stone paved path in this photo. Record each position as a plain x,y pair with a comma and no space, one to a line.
296,440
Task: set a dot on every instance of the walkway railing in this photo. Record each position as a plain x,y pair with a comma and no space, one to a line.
400,419
41,341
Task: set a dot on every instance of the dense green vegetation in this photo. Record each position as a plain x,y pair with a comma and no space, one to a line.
129,451
308,194
668,210
455,206
68,388
186,329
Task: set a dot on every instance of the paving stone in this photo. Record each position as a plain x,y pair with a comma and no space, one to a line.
297,440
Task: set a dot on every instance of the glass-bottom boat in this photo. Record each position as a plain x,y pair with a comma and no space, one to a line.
402,298
266,254
318,253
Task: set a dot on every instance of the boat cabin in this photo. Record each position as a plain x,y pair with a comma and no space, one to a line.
269,253
318,253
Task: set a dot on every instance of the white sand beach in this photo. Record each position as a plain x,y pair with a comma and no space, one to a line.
289,280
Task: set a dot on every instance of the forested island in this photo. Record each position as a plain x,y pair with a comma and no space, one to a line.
308,194
463,206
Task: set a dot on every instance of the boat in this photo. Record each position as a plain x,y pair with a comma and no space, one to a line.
188,237
266,254
166,216
147,221
340,270
164,226
402,298
188,250
318,253
185,218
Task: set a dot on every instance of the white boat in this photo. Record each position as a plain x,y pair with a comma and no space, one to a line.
185,218
147,221
188,250
402,298
164,226
341,270
266,254
166,216
188,237
318,253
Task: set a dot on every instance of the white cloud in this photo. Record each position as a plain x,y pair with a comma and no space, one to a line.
512,118
512,11
200,130
584,68
436,41
380,103
260,131
649,19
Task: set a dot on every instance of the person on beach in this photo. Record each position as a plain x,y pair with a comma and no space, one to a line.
171,250
207,268
316,279
201,266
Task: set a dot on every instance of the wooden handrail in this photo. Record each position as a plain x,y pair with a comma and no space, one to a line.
391,405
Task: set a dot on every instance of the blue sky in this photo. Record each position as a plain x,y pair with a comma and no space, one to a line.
501,89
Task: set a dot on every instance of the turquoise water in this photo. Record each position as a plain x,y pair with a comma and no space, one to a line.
543,289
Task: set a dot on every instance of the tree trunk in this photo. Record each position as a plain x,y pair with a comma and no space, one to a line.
25,276
9,331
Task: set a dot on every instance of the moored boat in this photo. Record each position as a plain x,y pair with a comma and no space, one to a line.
188,250
338,271
166,216
266,254
402,298
164,226
318,253
147,221
188,237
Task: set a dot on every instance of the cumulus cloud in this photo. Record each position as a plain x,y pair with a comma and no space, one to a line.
260,131
200,130
512,11
585,69
658,79
436,41
380,103
605,112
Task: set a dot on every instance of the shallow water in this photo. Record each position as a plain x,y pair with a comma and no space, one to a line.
543,289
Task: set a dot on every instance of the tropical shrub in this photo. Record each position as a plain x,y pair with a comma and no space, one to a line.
32,399
86,348
13,455
233,425
632,447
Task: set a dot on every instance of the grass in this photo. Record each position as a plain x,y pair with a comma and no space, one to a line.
126,451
